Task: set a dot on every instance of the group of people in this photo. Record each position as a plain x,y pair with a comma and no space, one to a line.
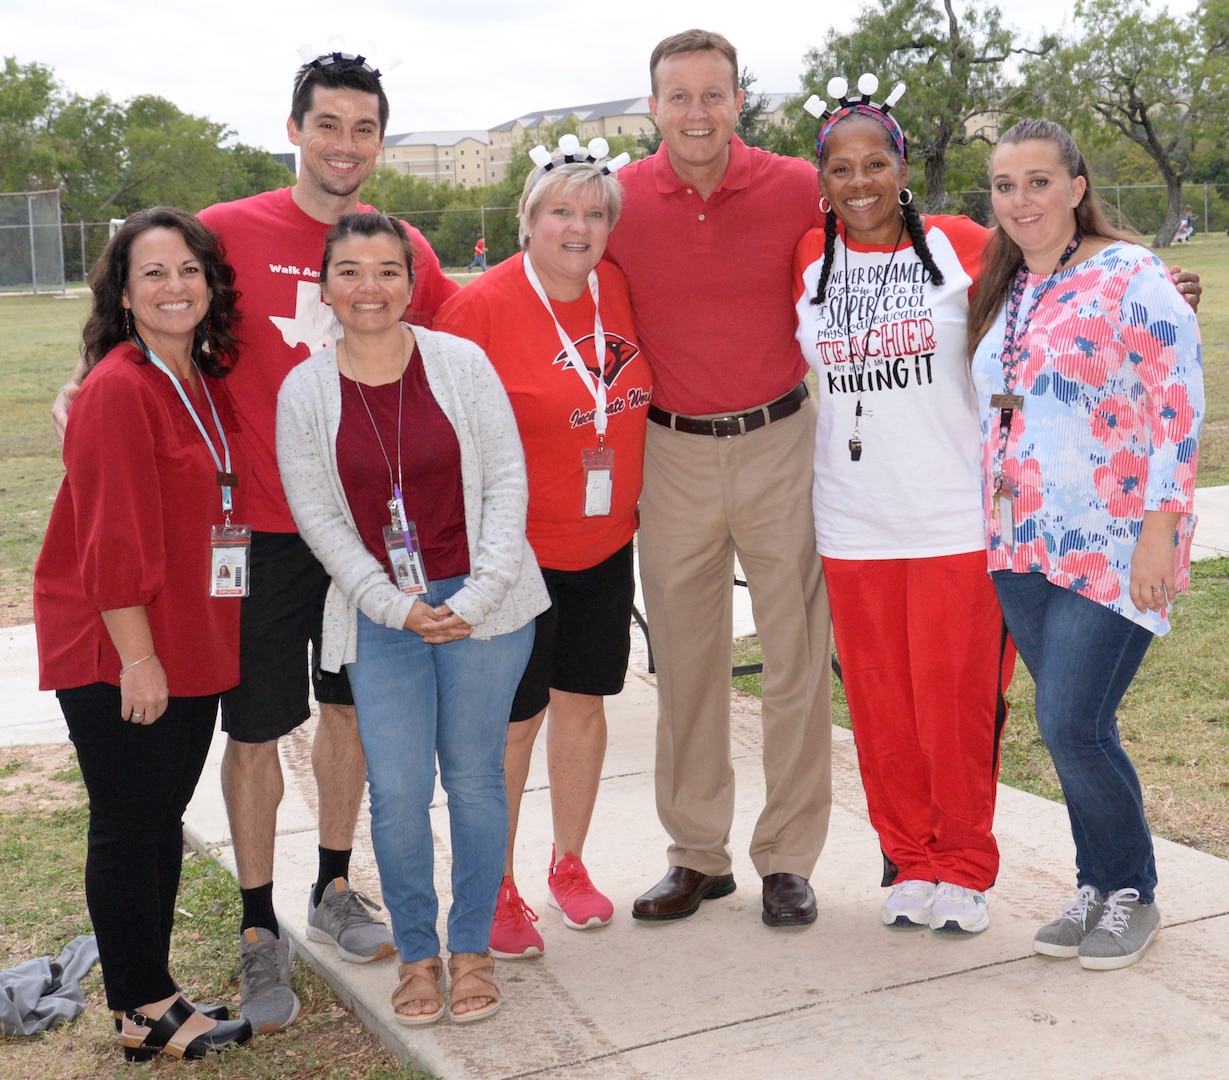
439,489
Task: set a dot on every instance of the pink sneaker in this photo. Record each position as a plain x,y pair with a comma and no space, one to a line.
513,936
573,893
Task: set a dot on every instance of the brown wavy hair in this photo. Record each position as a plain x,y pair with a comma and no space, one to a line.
1003,256
215,348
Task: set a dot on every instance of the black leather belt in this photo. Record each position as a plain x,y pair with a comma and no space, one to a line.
725,427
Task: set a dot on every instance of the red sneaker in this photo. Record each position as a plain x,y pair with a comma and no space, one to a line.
513,936
573,893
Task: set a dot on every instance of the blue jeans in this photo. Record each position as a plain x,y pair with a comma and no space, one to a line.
1082,656
417,702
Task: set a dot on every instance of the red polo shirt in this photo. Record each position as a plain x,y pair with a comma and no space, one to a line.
711,280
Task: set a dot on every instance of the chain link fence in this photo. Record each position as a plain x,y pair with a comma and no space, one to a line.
31,246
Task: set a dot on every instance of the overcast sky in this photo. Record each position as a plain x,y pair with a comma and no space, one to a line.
464,63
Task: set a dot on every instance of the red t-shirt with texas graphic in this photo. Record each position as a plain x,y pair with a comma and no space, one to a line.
554,408
276,250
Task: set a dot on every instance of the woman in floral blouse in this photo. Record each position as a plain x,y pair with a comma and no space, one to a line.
1088,369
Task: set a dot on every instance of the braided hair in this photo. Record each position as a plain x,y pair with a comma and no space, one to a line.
909,211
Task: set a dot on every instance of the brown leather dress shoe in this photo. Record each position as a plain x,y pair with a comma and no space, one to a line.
680,894
788,900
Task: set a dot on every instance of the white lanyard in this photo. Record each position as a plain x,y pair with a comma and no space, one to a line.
225,477
596,387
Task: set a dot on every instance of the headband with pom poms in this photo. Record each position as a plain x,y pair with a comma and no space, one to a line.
335,52
570,150
863,106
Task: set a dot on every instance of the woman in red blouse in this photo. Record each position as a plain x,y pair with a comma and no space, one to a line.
130,635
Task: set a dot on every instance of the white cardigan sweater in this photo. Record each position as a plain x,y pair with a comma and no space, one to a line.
504,588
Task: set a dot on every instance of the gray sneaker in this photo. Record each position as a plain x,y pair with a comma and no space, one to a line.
266,1000
1080,916
1126,929
342,918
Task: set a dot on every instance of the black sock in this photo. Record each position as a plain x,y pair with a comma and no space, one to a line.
258,908
333,864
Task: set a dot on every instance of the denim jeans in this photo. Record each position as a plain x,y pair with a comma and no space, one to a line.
416,703
1082,656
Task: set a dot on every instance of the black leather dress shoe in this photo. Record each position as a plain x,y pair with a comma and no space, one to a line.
680,894
788,900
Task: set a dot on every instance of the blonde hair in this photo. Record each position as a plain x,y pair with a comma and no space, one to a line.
563,181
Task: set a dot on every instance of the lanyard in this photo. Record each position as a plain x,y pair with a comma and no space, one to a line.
596,387
1010,352
226,478
855,442
396,505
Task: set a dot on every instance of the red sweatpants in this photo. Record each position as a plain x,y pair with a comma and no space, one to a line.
925,659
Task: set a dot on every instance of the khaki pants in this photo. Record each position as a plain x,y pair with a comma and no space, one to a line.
705,499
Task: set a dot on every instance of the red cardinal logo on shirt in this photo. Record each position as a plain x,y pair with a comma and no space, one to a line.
619,353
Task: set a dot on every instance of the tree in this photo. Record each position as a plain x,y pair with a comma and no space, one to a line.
952,60
1157,80
752,126
29,97
249,170
110,158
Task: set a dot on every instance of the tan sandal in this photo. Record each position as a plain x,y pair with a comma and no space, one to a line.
469,976
421,981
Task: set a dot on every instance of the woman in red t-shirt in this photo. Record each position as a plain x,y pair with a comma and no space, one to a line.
556,322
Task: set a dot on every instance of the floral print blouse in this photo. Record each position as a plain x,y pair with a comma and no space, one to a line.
1111,371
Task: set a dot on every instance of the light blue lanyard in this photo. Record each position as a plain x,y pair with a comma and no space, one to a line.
224,473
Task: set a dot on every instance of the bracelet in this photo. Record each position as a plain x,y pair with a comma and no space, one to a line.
128,667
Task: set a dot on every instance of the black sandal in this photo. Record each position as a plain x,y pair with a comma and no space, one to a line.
214,1012
161,1034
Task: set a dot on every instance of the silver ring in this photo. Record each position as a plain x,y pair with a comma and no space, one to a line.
138,716
1158,588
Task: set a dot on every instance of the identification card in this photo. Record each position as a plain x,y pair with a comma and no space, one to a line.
229,547
1007,401
405,557
599,481
1004,511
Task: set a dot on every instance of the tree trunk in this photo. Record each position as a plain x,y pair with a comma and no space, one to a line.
936,184
1173,213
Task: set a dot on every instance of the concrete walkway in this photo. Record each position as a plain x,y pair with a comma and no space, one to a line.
721,995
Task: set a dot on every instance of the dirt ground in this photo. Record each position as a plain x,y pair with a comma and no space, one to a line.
16,606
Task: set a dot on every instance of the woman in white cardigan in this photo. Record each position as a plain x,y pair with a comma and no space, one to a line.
402,465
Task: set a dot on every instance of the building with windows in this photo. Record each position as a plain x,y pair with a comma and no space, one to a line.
477,158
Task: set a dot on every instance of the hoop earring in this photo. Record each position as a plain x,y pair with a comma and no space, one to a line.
900,196
825,207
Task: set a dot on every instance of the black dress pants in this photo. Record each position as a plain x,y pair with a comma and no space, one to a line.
140,779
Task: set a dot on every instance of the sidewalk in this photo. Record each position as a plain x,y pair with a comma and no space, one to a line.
721,995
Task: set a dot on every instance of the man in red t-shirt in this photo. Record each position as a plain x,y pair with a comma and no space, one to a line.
707,242
275,241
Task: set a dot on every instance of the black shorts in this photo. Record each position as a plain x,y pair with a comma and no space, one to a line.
582,641
282,614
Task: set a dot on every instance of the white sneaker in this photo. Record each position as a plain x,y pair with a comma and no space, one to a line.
908,904
957,910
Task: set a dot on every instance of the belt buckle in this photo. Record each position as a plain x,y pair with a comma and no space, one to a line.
726,427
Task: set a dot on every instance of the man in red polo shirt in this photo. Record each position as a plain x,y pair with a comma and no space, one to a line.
707,241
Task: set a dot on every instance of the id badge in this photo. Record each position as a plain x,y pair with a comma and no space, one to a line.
405,557
1004,509
229,547
599,481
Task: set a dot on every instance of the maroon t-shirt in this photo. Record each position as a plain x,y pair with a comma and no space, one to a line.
430,468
